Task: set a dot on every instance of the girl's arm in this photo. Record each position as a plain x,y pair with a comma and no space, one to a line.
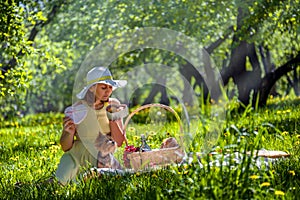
116,129
67,136
116,126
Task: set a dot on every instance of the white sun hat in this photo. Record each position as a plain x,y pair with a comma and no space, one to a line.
100,75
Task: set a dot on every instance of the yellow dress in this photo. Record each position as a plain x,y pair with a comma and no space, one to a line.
83,153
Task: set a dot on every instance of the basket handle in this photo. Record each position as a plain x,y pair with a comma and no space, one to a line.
148,106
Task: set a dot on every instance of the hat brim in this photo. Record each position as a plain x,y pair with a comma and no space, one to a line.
114,83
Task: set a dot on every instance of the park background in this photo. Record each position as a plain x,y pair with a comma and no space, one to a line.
254,45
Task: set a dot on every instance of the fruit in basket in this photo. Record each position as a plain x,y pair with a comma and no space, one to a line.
128,150
169,143
131,148
113,109
137,159
115,112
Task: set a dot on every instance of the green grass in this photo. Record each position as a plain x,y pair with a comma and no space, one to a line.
29,153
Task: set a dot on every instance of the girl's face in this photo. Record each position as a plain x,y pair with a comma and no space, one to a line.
101,91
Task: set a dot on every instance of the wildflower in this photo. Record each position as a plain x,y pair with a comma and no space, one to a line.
292,172
284,133
273,171
265,184
43,158
152,133
254,176
131,129
150,137
14,158
279,192
136,137
154,176
227,134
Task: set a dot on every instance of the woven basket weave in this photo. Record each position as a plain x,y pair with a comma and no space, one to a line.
156,157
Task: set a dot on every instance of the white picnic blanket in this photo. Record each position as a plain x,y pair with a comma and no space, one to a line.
261,159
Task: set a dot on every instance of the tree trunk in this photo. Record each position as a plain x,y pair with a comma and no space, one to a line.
296,82
188,71
156,89
246,81
269,80
267,64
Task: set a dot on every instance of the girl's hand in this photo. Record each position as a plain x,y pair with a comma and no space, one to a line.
69,126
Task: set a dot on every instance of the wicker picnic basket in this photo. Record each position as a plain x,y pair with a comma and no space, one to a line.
156,157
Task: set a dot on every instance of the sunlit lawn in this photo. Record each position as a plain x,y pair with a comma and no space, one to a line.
29,153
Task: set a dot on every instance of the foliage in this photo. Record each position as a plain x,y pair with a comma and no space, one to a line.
43,78
21,22
30,154
11,36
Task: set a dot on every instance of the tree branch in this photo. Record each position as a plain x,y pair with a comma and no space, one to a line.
287,67
217,43
35,30
270,79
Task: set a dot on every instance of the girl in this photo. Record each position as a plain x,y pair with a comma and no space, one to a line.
78,136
